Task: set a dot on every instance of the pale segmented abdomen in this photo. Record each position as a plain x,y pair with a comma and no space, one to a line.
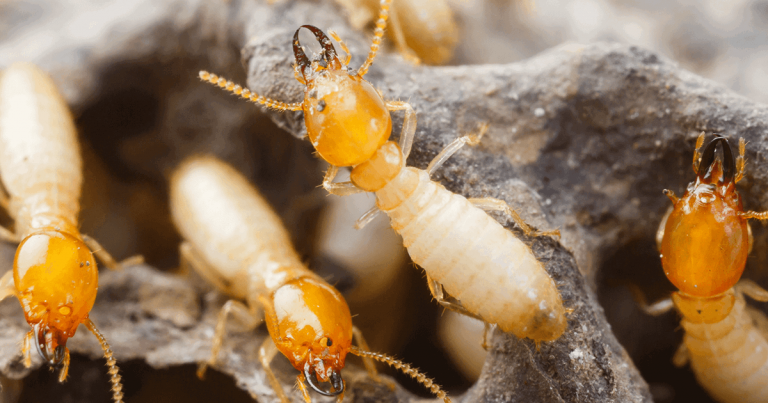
231,226
729,358
486,267
40,161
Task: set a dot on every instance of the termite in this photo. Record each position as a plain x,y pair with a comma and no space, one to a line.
489,273
54,274
423,30
234,240
704,241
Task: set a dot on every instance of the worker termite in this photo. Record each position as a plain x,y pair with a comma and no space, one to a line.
54,273
235,240
704,241
492,274
423,30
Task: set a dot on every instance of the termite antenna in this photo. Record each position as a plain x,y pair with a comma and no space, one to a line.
246,94
117,387
378,33
406,369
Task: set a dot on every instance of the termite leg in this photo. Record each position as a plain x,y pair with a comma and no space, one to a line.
741,162
8,235
450,149
402,47
189,258
697,153
248,317
302,386
656,309
5,201
662,226
370,366
348,57
409,125
754,291
758,319
487,328
681,356
107,259
492,204
26,348
436,289
366,218
338,188
267,352
7,287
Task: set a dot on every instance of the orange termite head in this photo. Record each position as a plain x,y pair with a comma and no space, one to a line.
56,280
311,324
705,244
346,118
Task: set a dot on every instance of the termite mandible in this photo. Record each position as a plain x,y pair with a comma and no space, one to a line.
450,236
704,241
54,272
234,240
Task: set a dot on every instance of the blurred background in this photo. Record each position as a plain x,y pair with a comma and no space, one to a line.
140,121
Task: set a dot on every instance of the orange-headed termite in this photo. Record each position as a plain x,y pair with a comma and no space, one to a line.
54,273
235,240
704,241
492,274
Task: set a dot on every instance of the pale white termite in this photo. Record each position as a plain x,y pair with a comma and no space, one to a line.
54,273
235,241
463,250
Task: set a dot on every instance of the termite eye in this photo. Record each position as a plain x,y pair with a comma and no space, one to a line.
321,106
328,341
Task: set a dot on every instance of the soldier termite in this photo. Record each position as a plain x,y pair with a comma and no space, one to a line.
450,236
704,241
54,273
235,240
423,30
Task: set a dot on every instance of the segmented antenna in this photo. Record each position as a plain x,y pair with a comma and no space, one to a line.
406,369
378,33
246,94
117,387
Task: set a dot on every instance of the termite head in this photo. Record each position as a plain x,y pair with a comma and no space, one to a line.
346,118
310,323
705,241
56,280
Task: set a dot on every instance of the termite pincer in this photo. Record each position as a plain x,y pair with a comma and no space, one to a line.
54,273
704,242
235,240
494,276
